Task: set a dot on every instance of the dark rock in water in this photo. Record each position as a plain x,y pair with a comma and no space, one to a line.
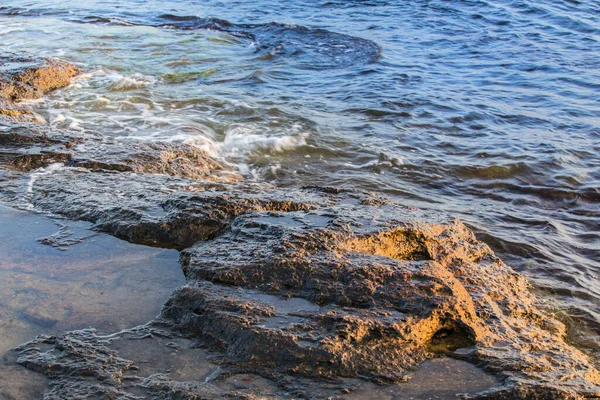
302,47
137,363
24,77
147,209
174,159
24,147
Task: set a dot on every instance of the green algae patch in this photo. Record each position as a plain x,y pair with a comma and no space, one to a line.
188,76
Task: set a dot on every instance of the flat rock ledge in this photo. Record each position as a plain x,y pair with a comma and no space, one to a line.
25,147
306,292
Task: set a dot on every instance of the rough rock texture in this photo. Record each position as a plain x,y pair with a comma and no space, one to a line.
305,291
16,115
338,286
25,77
174,159
384,293
156,364
24,147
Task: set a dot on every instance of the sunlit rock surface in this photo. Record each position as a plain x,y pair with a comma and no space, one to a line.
26,77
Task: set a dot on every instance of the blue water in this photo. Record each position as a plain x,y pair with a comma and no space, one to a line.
486,110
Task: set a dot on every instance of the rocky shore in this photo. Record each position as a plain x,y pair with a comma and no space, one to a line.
308,292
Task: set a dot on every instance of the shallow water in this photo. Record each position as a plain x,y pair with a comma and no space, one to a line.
488,111
57,276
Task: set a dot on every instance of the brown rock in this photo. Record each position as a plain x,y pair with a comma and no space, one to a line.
24,77
326,290
298,286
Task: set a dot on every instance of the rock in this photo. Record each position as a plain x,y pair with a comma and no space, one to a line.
25,77
97,370
379,293
173,159
128,210
13,115
24,147
335,287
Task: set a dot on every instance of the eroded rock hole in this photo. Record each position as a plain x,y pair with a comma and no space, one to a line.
451,338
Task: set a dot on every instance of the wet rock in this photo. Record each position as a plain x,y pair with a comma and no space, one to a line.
389,292
81,354
161,216
26,77
96,370
15,115
24,147
173,159
334,287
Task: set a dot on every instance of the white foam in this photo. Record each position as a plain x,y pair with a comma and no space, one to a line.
123,83
90,74
396,159
32,102
58,119
76,124
103,100
114,81
241,141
